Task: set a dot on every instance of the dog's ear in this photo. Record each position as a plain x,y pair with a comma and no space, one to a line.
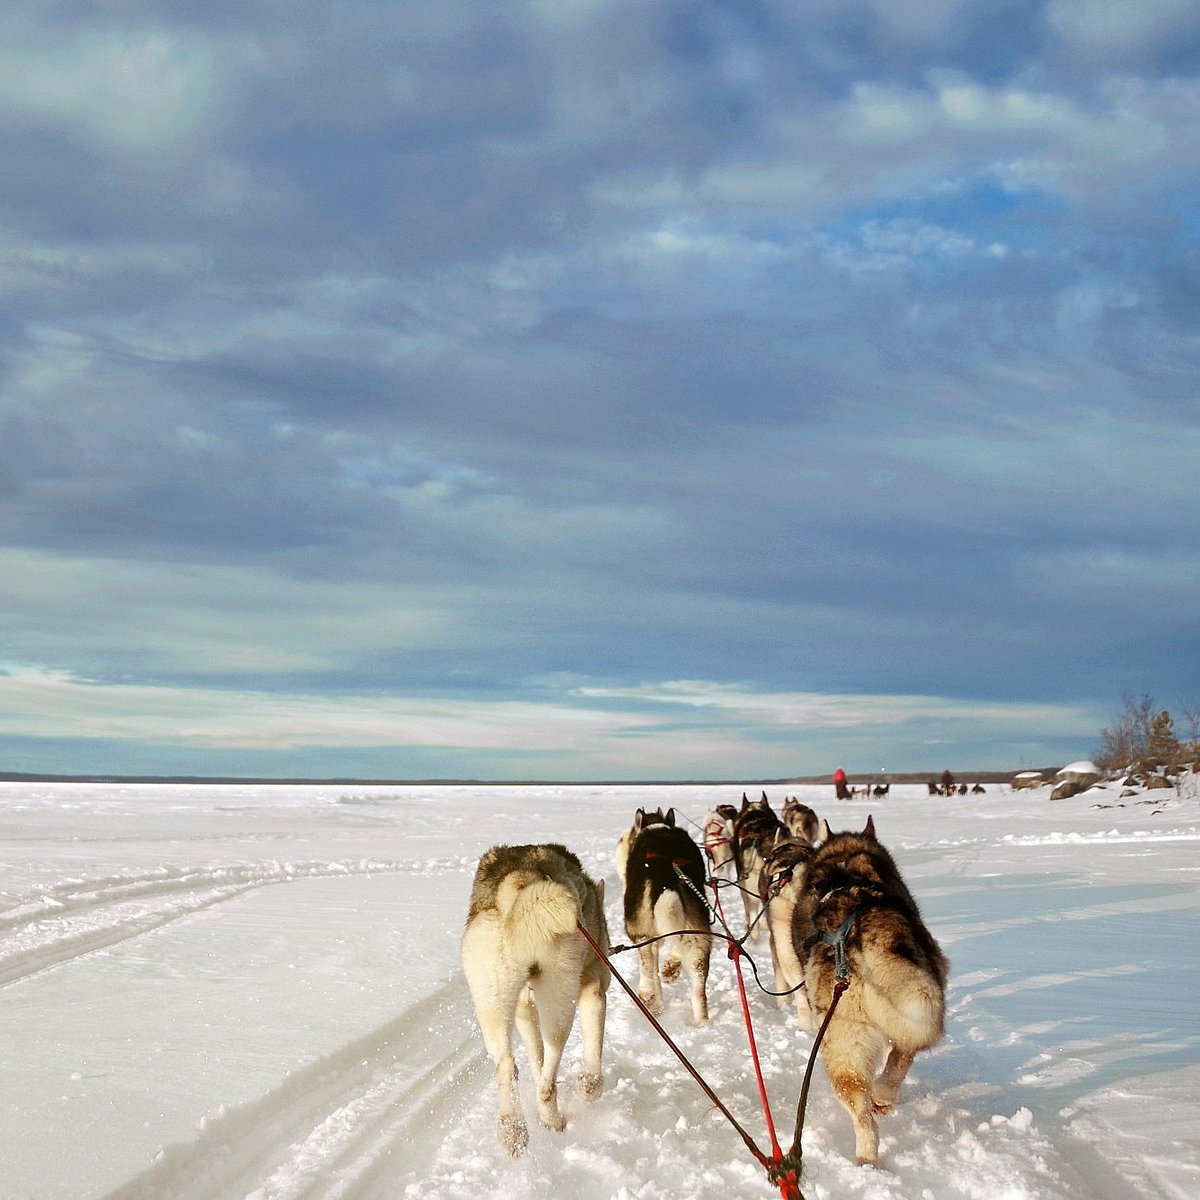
670,817
869,831
826,832
638,818
765,800
745,802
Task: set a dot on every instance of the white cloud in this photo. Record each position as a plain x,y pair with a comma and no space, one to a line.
212,619
140,90
43,267
1117,31
812,710
36,703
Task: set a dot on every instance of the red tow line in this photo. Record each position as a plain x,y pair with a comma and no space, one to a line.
783,1170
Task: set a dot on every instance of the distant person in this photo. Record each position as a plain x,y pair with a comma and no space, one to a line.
839,785
947,784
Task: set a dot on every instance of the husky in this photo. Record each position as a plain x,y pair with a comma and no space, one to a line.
756,828
718,841
525,961
622,853
897,974
664,895
800,820
783,875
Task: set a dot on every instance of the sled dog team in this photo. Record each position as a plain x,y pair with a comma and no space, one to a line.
527,964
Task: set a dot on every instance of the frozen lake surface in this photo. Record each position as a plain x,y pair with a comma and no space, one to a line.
212,992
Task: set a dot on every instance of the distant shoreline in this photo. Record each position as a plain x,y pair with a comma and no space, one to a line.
856,780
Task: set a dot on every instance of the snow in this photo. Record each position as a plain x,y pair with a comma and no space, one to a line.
253,992
1083,767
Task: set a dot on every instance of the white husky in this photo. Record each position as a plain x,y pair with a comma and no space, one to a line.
718,842
525,961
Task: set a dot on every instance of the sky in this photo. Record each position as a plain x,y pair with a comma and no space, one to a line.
574,390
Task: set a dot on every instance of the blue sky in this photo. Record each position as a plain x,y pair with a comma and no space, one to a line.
581,390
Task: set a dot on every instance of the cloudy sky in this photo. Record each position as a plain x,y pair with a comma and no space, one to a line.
587,389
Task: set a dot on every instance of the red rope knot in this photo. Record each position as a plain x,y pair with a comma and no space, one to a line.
784,1173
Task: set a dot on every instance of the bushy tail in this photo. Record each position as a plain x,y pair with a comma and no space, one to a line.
536,911
669,915
911,1005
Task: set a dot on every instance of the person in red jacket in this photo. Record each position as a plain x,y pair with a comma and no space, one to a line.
839,784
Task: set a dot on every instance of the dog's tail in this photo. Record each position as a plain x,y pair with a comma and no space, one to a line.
536,909
669,913
913,1008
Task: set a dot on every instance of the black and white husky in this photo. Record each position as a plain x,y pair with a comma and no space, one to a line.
664,895
525,961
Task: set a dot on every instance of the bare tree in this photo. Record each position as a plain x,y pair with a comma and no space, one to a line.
1191,714
1126,742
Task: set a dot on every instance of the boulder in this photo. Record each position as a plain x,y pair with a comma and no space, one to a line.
1066,788
1157,781
1083,772
1027,779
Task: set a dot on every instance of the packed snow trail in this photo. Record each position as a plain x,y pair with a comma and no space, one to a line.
239,993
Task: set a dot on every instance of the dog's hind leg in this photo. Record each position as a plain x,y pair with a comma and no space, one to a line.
852,1090
530,1028
649,984
852,1050
495,994
593,1004
697,951
887,1087
556,1011
497,1039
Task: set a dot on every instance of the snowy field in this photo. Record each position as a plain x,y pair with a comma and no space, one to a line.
253,992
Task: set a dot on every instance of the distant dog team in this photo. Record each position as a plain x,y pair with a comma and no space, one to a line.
822,897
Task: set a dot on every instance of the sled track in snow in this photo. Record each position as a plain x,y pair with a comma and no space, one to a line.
77,917
341,1128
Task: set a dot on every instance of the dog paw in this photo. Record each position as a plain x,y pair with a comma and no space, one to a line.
653,1003
591,1084
513,1135
555,1122
671,969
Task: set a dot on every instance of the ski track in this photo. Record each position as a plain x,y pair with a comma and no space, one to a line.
333,1127
77,917
407,1111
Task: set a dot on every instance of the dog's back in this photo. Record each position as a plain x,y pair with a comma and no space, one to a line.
660,853
539,893
800,820
897,972
756,829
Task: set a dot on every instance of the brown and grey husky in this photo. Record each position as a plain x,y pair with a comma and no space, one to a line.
756,830
525,961
896,998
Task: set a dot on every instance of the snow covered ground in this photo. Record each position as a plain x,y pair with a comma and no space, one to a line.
224,992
